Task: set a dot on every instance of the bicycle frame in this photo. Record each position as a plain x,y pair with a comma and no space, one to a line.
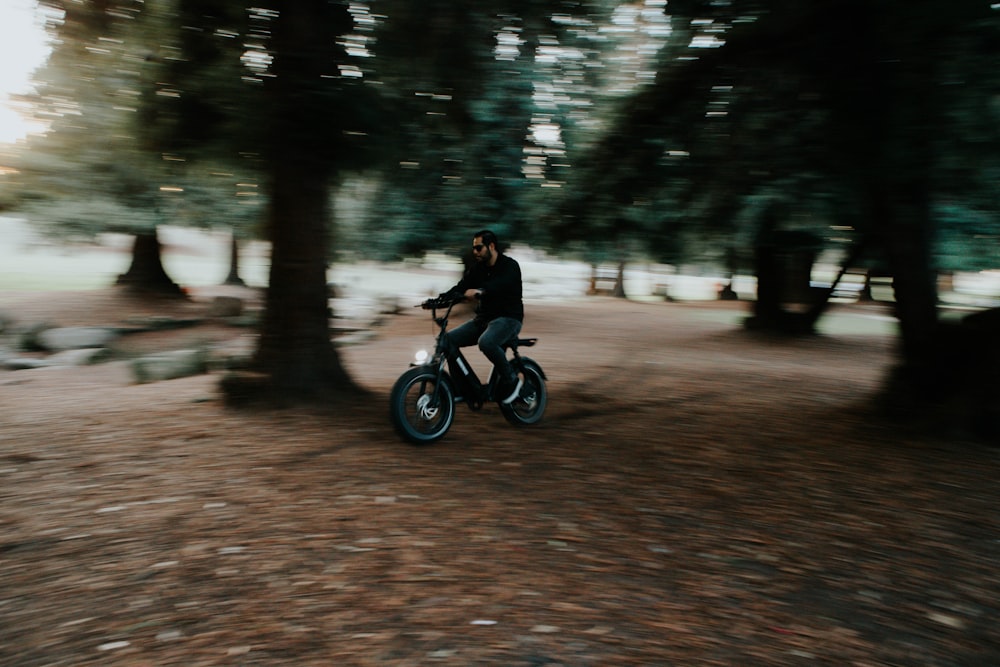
465,381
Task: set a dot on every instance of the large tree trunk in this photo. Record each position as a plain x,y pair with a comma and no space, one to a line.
943,367
782,263
905,111
906,229
296,360
946,376
295,350
146,273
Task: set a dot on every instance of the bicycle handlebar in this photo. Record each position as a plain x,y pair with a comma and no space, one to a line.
442,301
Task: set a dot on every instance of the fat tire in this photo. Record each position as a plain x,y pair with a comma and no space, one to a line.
411,421
519,413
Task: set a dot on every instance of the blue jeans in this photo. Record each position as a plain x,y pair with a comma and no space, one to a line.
491,338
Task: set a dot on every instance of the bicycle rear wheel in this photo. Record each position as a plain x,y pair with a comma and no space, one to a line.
421,407
529,408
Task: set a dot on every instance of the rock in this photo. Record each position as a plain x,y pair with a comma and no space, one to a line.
231,355
169,365
28,337
6,321
79,357
162,323
225,306
74,338
24,363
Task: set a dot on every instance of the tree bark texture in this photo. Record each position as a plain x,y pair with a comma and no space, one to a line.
296,360
906,115
295,350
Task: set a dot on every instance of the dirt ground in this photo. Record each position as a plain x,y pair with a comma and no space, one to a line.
696,495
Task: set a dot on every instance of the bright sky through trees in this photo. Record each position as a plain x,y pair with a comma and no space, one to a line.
23,48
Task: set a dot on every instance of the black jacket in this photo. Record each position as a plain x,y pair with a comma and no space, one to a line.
501,289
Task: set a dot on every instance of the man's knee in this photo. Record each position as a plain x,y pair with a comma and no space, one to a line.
484,344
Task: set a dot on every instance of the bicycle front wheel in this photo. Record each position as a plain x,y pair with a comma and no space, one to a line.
421,406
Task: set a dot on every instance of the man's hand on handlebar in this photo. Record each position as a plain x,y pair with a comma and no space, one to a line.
442,301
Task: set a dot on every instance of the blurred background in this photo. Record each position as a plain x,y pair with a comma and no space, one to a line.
787,155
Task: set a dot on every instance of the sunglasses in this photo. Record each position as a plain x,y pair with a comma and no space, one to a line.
478,247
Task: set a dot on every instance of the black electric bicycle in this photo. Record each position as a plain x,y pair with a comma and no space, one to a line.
422,402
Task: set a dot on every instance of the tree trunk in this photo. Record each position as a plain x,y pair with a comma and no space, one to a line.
234,262
913,278
727,292
767,307
782,263
865,295
620,282
943,367
822,301
295,351
906,228
295,360
945,379
146,273
907,112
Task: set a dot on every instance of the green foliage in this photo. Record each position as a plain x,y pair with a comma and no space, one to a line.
643,130
967,239
97,168
779,110
468,87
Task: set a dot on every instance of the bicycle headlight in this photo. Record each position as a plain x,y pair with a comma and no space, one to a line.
421,357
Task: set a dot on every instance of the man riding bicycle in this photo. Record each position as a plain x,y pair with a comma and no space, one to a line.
494,283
